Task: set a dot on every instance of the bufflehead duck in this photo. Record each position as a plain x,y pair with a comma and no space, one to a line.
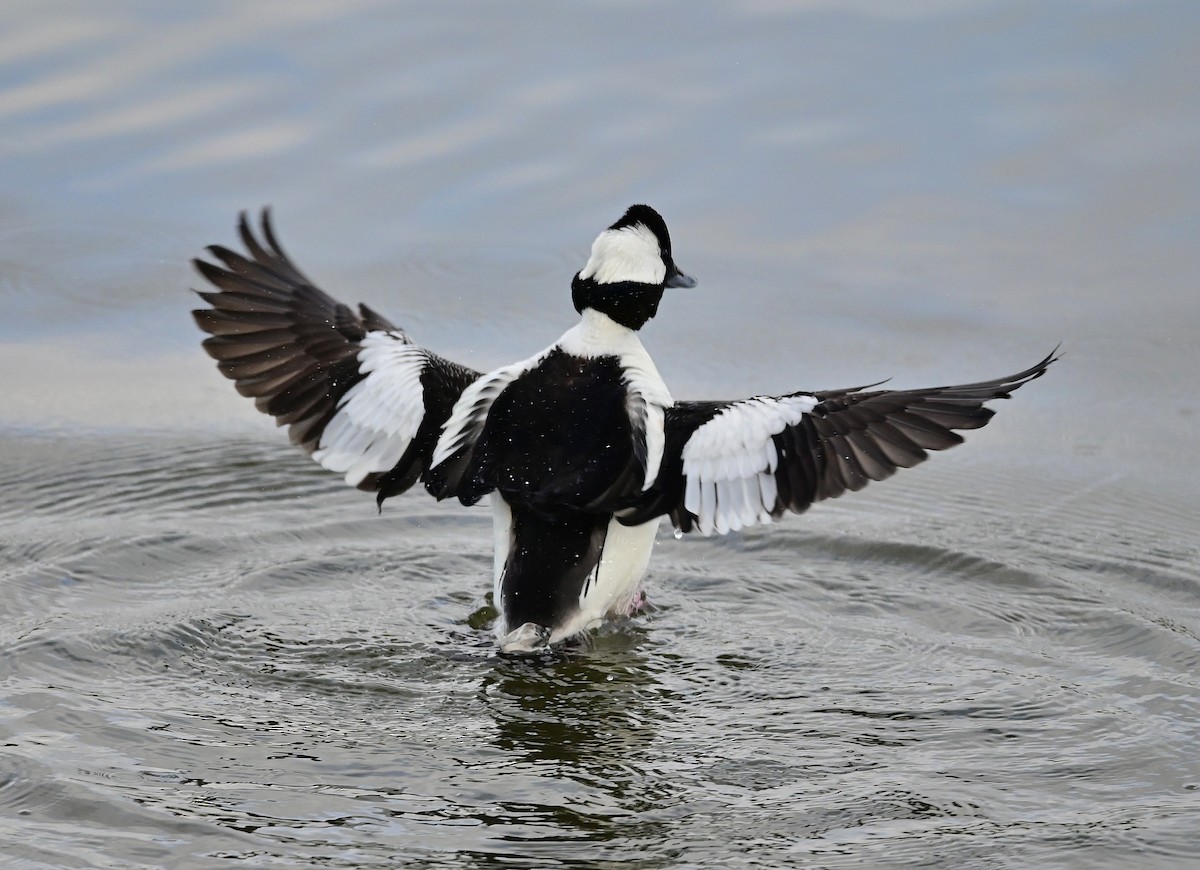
580,448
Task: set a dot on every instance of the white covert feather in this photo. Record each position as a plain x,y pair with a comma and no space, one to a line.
729,462
648,386
377,417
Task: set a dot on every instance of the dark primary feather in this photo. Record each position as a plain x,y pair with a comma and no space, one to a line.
849,439
293,348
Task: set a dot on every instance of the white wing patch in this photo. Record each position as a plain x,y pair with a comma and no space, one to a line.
378,417
730,461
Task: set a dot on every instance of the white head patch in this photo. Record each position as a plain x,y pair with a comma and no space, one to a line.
628,254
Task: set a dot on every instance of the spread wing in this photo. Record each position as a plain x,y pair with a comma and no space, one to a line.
352,388
732,464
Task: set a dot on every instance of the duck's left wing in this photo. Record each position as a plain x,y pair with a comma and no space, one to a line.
354,391
727,465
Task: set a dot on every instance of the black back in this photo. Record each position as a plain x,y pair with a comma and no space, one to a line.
557,438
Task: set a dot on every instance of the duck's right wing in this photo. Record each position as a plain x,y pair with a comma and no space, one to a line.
733,464
352,388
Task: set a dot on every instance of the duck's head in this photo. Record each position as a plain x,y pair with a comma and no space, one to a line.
629,268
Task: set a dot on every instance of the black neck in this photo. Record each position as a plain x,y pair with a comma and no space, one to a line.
629,303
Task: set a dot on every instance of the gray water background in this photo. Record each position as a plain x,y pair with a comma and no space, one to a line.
213,654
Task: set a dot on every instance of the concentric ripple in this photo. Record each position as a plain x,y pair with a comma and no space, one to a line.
215,640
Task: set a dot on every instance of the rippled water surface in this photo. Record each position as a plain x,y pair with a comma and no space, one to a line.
212,653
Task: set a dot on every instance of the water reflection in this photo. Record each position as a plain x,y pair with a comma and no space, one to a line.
588,713
591,718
